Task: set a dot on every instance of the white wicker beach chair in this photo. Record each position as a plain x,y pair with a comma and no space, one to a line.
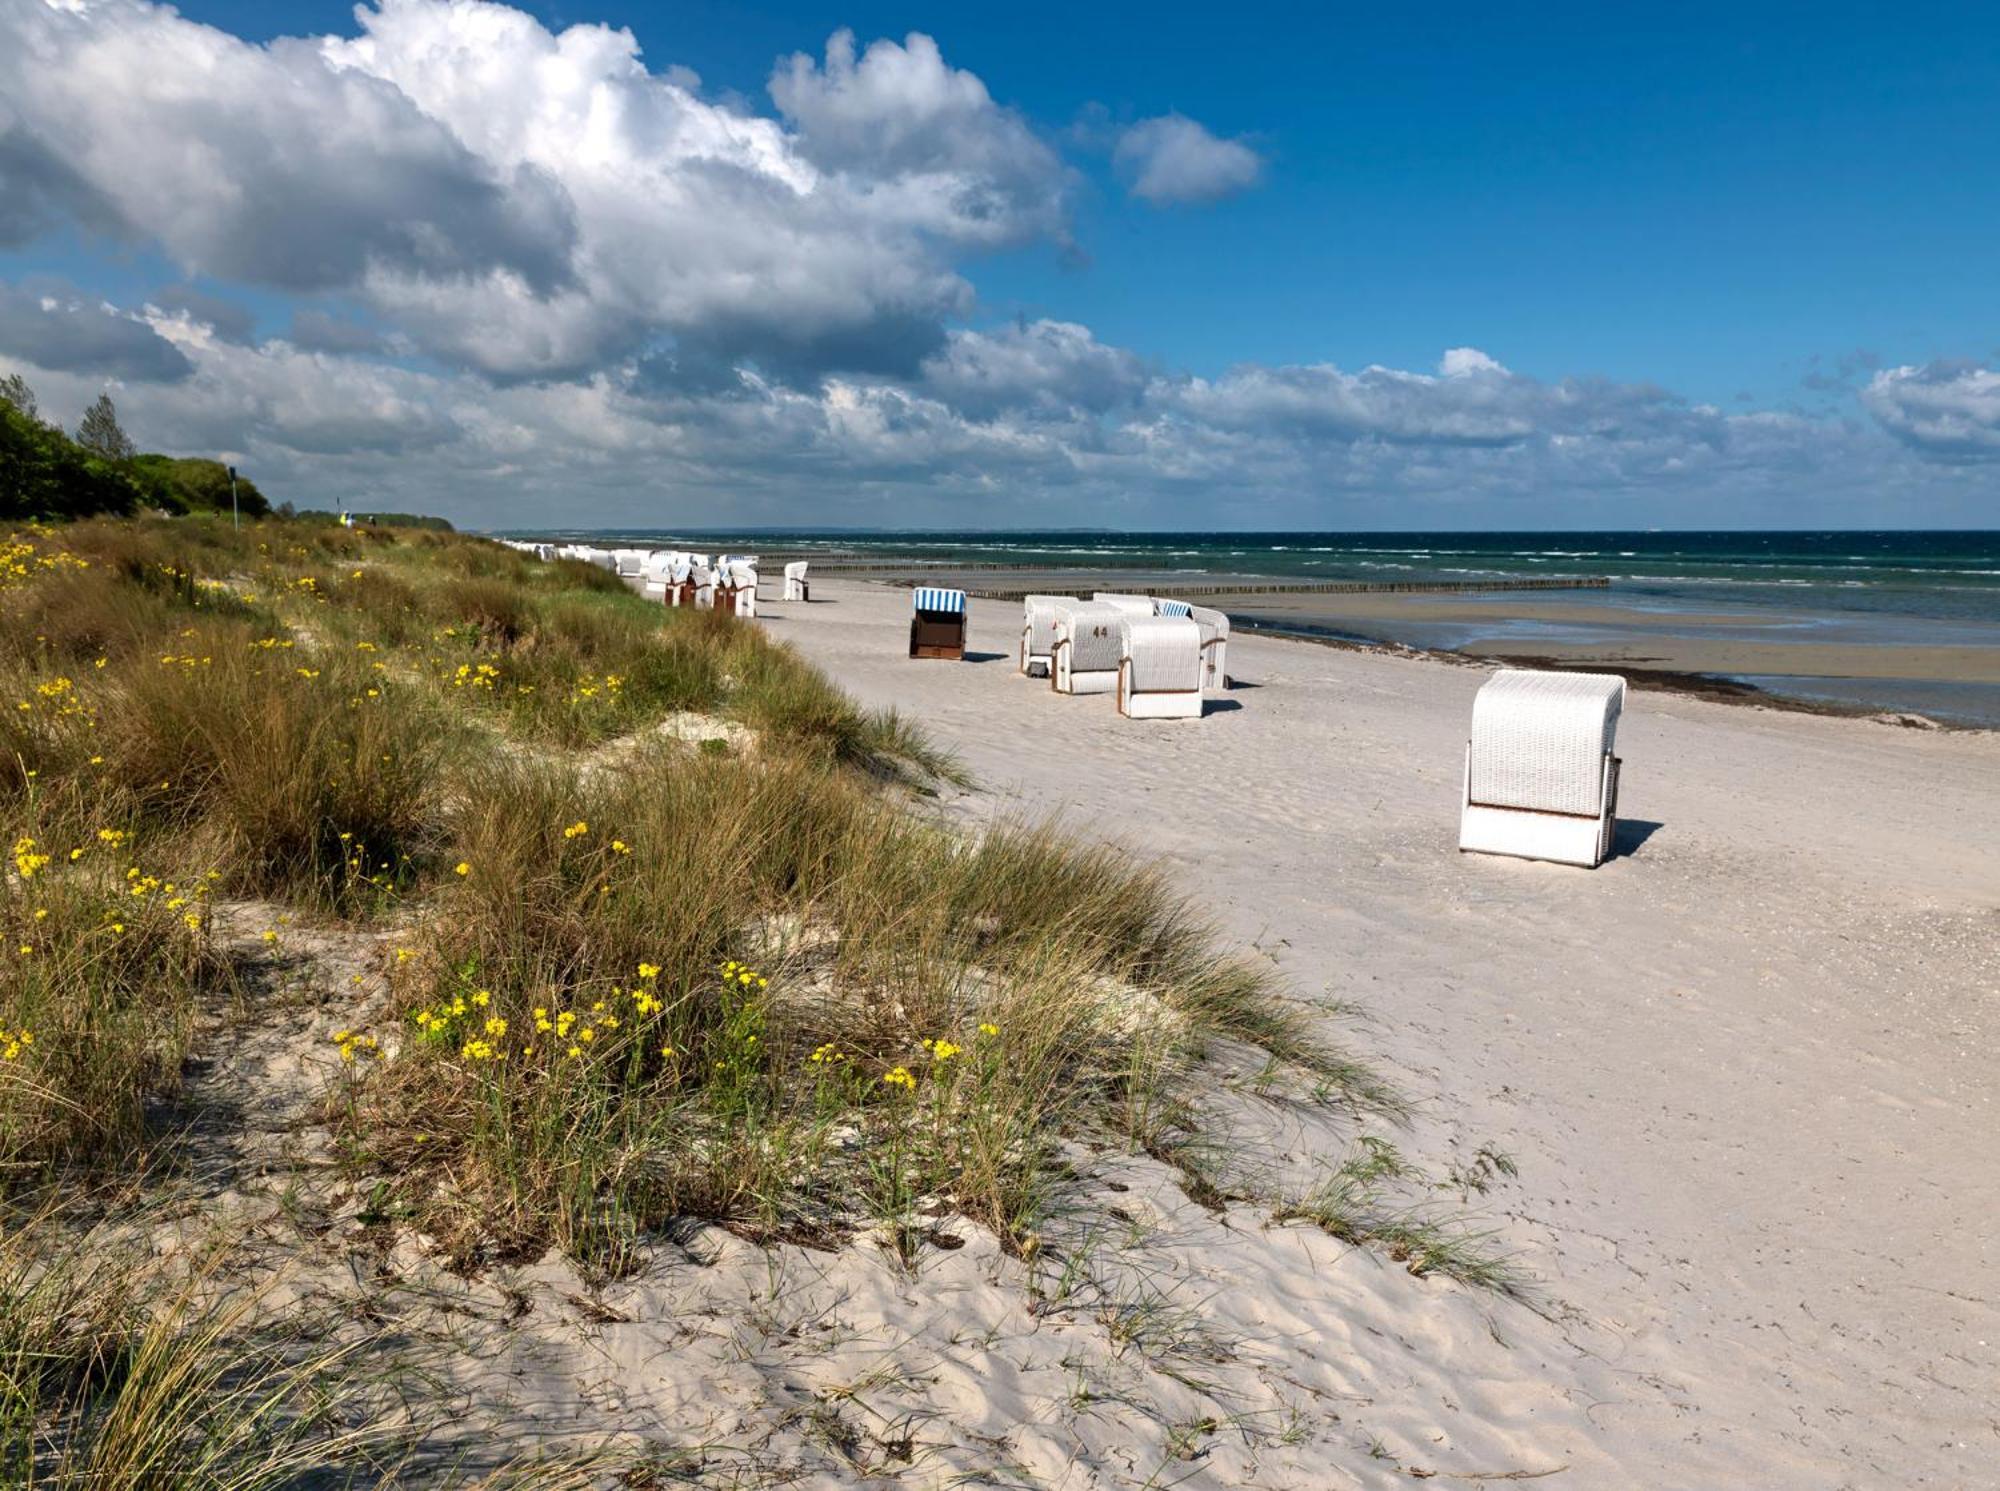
1214,646
701,583
796,588
1038,631
653,574
1087,649
1159,668
1130,605
679,589
627,562
1541,781
736,587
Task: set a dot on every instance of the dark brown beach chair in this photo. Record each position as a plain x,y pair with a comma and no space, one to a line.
937,623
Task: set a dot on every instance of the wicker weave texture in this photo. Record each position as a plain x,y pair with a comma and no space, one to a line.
1130,605
1092,633
1539,740
1038,618
1164,651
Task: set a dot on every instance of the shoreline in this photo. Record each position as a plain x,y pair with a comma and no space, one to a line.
1687,683
1708,659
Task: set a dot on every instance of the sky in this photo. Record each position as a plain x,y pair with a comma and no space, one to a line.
604,263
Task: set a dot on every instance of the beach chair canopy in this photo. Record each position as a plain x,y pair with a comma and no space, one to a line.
1164,651
1213,624
1130,605
1038,616
1091,629
1172,608
930,598
796,570
1539,740
738,572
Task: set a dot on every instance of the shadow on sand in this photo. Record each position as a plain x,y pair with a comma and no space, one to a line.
1630,834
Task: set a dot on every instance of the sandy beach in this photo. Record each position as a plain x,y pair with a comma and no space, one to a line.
1746,1071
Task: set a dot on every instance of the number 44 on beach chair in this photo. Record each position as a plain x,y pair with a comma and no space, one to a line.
937,623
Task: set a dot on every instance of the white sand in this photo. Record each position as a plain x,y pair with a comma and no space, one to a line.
1747,1071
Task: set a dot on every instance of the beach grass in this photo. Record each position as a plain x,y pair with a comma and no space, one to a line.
716,970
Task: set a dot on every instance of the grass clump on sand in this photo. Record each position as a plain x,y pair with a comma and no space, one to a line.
1358,1204
757,991
111,1375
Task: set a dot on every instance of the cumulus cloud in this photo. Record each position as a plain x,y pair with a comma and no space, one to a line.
253,163
923,140
316,331
1949,410
230,321
535,269
1037,420
1041,367
67,332
1173,159
525,202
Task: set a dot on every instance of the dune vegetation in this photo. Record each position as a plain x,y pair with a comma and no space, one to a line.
648,921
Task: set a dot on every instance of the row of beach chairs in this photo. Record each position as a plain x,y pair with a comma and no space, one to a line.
1541,774
676,577
1157,656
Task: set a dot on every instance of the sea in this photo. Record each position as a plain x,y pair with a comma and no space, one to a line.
1893,588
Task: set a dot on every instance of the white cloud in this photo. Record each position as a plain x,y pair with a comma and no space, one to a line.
59,328
1045,367
524,202
538,281
1947,410
1173,159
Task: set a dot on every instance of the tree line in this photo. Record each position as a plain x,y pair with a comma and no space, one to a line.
48,473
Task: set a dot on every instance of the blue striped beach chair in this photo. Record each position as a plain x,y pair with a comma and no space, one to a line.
937,622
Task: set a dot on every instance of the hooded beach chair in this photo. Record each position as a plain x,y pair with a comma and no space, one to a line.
679,588
796,588
653,574
1038,631
1130,605
937,622
1085,655
1541,781
701,586
736,587
1159,668
1214,644
628,562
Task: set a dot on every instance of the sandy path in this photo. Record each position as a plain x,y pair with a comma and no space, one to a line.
1747,1069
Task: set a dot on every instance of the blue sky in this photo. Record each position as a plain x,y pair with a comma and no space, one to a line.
1779,211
